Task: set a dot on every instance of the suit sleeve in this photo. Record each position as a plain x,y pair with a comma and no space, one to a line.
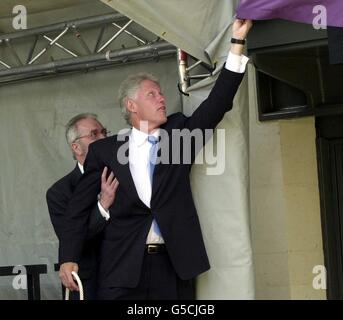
78,210
57,203
212,110
96,222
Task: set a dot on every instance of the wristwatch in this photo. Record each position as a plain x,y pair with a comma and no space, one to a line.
238,41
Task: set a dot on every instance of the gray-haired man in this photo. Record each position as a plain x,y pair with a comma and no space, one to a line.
81,131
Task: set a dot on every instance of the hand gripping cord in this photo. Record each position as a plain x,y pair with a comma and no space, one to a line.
79,283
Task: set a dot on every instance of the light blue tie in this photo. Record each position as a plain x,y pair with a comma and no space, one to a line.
152,161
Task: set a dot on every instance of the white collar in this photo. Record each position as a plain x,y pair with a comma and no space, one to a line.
81,167
139,137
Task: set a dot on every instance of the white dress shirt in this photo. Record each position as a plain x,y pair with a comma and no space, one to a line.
139,152
236,63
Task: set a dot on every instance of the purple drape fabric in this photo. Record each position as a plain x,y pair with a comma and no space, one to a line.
306,11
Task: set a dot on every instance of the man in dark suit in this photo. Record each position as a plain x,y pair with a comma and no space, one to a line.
81,131
152,247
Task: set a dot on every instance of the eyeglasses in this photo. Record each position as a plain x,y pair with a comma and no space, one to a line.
94,134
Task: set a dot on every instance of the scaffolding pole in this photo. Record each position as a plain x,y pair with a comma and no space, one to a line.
154,50
84,22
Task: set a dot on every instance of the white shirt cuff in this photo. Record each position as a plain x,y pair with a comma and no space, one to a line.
236,63
103,212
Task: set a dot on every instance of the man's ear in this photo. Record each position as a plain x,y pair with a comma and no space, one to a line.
75,147
131,105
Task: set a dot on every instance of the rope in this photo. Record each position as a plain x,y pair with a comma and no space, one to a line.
79,283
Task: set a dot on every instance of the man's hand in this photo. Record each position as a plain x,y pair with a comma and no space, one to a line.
240,28
66,276
109,187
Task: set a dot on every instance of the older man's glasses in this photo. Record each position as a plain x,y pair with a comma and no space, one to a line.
94,134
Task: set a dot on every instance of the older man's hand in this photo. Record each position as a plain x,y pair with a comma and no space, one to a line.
66,276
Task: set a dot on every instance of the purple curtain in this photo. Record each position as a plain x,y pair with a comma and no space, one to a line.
295,10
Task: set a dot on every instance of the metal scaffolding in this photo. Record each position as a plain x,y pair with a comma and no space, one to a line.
14,68
19,65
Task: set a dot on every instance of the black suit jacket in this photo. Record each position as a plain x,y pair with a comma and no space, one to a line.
58,196
172,204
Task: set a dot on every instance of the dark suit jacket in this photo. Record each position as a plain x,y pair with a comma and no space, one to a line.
172,204
58,196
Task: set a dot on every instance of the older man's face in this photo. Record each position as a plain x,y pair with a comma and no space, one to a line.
89,130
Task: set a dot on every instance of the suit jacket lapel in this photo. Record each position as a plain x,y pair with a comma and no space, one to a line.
160,168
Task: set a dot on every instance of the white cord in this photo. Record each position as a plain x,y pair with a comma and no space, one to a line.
79,283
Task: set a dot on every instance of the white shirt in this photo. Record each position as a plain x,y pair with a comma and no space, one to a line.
236,63
139,151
